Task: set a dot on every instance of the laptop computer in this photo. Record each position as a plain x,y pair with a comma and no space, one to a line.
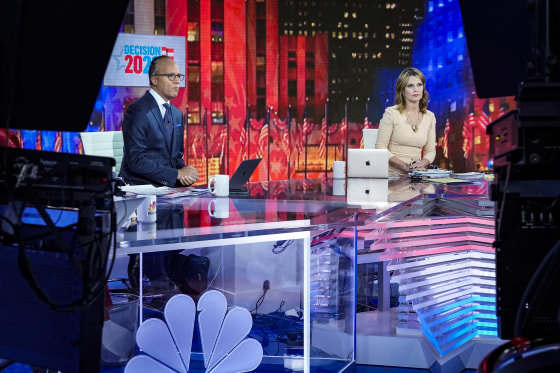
368,163
241,176
370,137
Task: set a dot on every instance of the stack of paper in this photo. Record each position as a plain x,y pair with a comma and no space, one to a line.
431,174
151,190
469,175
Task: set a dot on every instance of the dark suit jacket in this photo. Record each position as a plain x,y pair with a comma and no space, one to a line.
148,157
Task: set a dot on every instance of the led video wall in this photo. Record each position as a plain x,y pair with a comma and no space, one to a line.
259,85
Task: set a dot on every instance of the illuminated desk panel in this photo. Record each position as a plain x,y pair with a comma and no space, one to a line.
436,244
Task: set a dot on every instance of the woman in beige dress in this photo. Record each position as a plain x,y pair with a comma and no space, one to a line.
408,129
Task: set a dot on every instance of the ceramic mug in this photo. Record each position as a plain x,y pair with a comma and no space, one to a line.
218,185
339,169
147,211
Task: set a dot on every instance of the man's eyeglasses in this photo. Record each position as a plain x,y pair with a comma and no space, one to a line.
172,76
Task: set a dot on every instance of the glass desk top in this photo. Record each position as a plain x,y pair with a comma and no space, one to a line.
282,207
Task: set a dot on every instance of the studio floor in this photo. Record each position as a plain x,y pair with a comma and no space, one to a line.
380,349
22,368
374,331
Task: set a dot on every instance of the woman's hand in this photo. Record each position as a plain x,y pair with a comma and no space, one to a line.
417,165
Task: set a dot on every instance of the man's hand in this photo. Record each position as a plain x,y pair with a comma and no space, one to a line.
187,175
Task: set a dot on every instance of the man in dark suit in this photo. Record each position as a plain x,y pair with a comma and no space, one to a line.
153,154
153,132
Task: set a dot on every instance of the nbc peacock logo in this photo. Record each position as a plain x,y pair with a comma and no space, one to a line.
166,346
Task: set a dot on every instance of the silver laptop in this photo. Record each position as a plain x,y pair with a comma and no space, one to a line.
368,163
370,137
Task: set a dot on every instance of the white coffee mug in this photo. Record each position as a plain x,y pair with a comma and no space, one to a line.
339,169
147,211
218,208
146,231
218,185
339,187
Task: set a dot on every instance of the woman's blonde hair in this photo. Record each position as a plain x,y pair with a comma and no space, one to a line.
402,81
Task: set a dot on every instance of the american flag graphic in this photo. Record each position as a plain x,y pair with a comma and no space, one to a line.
307,126
263,140
306,129
223,140
278,123
78,145
367,124
288,135
244,134
204,137
333,129
286,140
468,126
445,143
343,126
484,118
169,52
203,157
284,127
298,138
323,143
194,146
342,139
185,134
39,141
58,142
20,137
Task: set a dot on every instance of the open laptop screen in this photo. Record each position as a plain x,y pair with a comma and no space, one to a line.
241,176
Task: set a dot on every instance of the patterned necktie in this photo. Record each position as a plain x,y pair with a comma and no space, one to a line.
168,121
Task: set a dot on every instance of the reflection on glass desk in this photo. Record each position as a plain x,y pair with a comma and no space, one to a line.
280,207
286,253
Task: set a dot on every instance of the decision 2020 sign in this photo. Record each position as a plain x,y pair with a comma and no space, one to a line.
133,53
